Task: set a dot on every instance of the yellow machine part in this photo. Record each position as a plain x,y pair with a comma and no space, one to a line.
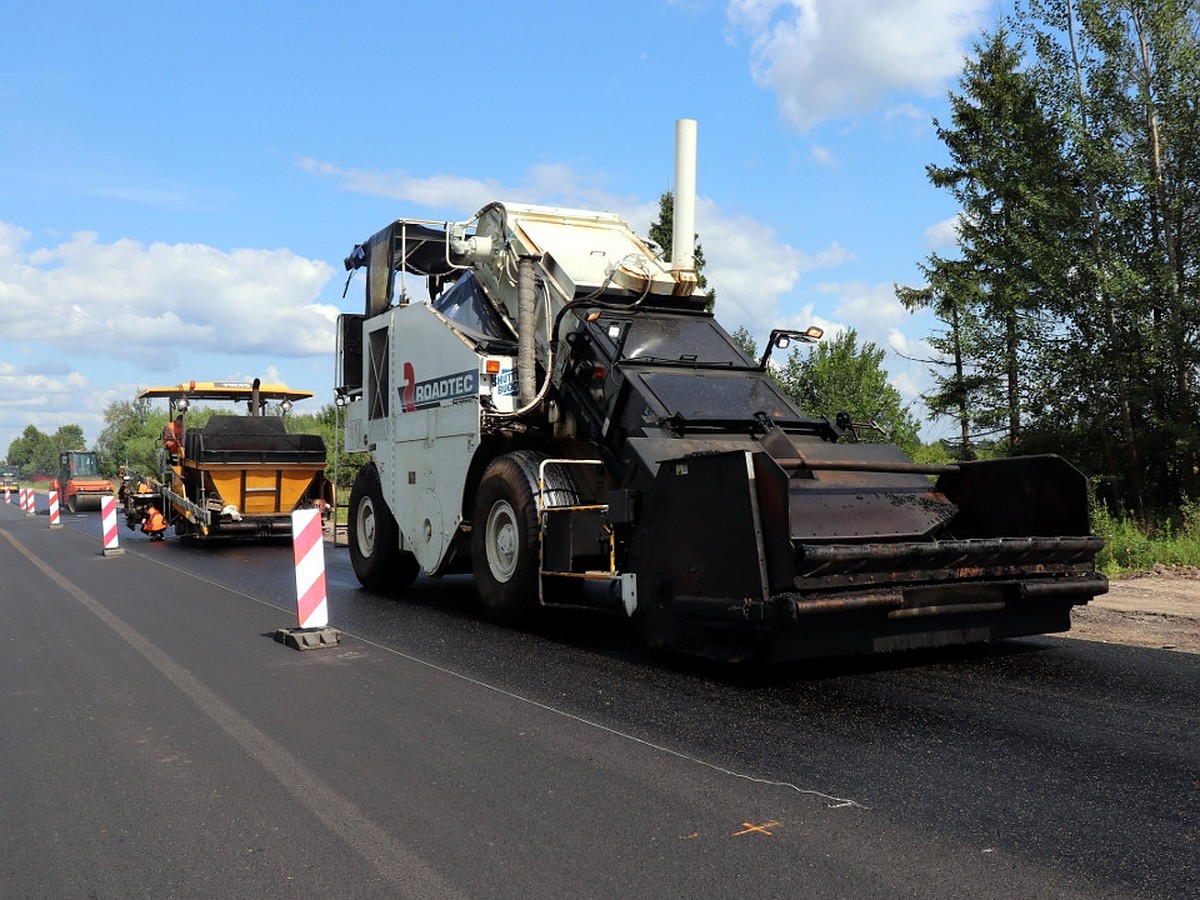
259,490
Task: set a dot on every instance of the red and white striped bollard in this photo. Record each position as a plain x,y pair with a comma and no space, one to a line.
308,545
108,526
53,499
312,600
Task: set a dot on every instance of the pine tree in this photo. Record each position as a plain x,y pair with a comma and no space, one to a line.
1008,173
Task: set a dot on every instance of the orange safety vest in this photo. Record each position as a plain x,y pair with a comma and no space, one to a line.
154,522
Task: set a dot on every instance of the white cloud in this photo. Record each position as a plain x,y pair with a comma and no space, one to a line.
544,183
752,270
822,156
943,234
47,397
138,301
872,307
907,112
434,191
836,58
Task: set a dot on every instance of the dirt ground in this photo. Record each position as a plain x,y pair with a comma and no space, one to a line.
1159,608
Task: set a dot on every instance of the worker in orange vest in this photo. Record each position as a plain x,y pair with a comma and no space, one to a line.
155,524
173,436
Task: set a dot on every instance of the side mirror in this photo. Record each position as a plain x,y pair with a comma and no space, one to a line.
783,337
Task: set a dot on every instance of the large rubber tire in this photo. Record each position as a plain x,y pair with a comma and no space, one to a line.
504,537
374,538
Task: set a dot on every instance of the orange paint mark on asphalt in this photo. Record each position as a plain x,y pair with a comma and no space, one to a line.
757,829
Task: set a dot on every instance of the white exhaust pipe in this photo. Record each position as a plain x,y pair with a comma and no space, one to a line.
683,232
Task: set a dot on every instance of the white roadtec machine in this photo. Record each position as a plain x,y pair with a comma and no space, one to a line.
566,420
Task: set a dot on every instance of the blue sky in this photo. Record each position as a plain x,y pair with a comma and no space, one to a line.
179,182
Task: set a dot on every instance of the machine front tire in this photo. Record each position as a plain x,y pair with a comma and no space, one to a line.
504,538
375,554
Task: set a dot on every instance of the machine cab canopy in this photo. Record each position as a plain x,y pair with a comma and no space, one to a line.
180,396
80,464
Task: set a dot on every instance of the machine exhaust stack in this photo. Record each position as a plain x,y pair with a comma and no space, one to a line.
683,235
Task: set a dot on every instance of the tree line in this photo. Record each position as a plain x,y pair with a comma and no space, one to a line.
1069,311
36,453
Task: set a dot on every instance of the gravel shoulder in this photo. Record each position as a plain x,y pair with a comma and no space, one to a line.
1158,608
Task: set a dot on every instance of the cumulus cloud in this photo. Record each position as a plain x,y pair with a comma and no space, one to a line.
138,301
822,156
83,305
835,58
556,183
942,235
47,395
753,270
873,305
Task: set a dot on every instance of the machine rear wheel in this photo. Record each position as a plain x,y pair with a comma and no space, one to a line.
504,537
378,561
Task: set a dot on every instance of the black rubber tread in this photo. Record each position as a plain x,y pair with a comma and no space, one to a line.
514,478
383,565
511,478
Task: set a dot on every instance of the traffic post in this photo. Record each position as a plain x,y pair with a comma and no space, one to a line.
53,499
312,601
108,526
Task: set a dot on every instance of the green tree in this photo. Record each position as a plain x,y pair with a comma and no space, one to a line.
33,452
1008,173
131,436
68,437
840,376
1121,77
742,337
37,452
328,423
958,388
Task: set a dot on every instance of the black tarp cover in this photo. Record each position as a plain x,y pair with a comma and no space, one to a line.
417,249
251,439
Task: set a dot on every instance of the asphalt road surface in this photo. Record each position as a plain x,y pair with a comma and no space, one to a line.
158,742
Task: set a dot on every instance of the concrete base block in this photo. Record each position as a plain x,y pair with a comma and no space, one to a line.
114,551
308,638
